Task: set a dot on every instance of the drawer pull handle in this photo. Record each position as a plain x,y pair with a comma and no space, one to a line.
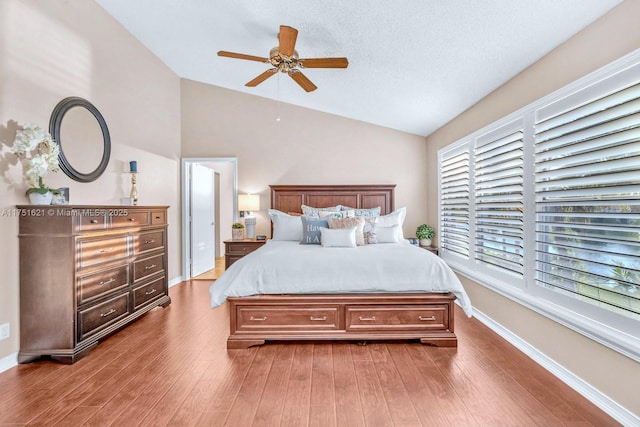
151,291
146,242
132,219
367,319
150,267
426,319
108,313
258,319
103,251
104,282
157,217
94,221
318,319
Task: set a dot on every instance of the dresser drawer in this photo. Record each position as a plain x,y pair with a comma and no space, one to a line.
96,251
92,320
148,266
92,222
145,293
388,318
99,284
131,219
292,318
150,241
158,217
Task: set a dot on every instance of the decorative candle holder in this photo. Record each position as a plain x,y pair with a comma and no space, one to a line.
134,190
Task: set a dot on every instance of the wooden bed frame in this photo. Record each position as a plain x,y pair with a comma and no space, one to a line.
427,317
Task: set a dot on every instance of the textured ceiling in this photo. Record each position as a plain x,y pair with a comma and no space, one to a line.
413,65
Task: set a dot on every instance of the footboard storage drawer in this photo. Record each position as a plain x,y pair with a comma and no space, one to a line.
254,320
402,318
287,318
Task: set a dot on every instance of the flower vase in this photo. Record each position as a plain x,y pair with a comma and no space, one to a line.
237,233
40,198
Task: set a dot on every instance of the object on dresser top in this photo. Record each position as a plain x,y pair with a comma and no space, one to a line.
100,268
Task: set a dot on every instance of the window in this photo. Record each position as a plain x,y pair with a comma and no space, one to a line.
544,205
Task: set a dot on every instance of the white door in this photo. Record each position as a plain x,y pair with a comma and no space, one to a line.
202,197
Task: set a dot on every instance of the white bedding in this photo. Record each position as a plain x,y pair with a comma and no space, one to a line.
283,267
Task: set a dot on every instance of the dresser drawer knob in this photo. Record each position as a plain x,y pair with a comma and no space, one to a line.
94,221
102,251
150,267
104,282
108,313
427,319
367,319
132,219
258,319
151,291
146,242
318,319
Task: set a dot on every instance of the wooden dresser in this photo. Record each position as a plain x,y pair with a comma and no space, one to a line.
236,249
85,272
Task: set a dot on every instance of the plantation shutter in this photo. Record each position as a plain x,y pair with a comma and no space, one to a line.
587,192
499,199
454,202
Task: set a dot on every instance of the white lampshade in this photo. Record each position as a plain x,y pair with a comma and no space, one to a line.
248,202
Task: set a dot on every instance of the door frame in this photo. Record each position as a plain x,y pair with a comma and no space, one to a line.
186,162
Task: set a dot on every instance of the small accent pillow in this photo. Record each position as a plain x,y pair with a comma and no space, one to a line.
338,237
315,212
311,228
363,212
348,223
388,234
285,227
370,230
395,217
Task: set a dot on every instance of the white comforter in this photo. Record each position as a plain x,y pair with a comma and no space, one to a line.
281,267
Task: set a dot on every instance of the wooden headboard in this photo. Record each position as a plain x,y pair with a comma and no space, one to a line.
289,198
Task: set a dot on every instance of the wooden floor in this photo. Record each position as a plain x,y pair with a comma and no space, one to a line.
171,367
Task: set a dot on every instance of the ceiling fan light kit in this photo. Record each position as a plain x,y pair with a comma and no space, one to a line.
284,58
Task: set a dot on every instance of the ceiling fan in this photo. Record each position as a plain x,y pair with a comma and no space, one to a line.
284,58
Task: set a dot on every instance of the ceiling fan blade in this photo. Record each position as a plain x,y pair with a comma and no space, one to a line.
287,37
323,63
242,56
302,80
262,77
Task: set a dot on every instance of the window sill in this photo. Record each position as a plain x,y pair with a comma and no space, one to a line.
614,339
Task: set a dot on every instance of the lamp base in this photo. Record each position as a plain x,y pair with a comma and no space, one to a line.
250,227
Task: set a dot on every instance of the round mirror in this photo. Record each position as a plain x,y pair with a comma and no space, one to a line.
83,138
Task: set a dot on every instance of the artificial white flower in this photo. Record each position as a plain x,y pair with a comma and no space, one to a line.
39,154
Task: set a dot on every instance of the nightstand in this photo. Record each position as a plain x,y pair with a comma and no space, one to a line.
432,249
236,249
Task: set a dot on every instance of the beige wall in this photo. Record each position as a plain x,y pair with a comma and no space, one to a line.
53,49
304,147
609,38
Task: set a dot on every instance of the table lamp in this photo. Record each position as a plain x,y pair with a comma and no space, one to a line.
249,203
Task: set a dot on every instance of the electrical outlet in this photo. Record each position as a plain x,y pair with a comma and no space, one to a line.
4,331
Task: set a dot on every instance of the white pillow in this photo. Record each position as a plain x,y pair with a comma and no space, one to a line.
338,237
389,234
394,218
285,227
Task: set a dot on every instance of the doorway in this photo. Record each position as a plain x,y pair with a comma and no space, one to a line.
224,211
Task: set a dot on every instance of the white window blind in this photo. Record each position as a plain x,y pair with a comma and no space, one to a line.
588,202
499,204
543,206
454,202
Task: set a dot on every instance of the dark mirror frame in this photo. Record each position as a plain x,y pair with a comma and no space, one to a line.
55,124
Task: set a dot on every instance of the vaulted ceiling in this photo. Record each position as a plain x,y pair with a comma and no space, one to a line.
413,64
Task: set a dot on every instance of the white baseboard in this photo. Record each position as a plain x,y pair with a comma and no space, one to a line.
8,362
175,281
595,396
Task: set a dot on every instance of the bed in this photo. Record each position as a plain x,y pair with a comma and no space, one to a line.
287,291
